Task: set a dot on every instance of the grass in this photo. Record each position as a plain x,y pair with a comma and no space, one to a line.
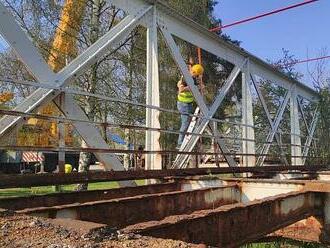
17,192
263,245
284,244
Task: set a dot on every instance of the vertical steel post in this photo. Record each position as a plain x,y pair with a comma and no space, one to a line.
326,216
215,145
61,144
61,138
295,129
248,147
153,161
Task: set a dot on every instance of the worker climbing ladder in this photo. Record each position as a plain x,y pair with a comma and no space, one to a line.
180,160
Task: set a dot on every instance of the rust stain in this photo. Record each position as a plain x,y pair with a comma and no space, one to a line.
230,225
309,230
19,203
210,215
126,211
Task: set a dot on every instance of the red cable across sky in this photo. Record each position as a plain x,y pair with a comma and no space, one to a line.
308,60
263,15
268,14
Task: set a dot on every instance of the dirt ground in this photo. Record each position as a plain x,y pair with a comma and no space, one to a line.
26,231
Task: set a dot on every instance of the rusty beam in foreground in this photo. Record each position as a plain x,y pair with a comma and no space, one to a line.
17,181
127,211
237,224
18,203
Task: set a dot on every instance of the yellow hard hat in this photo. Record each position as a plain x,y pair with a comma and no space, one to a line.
67,168
197,70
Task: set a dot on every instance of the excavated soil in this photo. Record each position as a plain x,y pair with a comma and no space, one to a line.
26,231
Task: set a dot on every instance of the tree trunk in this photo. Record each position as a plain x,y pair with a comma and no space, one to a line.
130,117
127,156
85,157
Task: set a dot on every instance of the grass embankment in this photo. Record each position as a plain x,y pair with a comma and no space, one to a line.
16,192
285,244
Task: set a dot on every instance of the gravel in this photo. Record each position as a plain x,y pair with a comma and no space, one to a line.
27,231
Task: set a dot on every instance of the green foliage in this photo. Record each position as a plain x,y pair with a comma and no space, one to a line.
216,69
17,192
121,73
284,244
198,10
286,65
274,95
323,127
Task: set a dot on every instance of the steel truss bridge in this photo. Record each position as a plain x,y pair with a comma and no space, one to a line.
195,205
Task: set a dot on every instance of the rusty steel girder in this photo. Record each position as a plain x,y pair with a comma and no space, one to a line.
209,210
122,212
18,203
236,224
16,181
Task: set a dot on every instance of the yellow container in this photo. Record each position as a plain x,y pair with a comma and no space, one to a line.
67,168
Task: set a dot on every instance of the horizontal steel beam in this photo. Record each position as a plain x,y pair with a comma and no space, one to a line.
127,211
123,151
196,34
15,181
19,203
237,224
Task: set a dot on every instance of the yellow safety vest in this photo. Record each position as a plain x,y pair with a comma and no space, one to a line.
185,97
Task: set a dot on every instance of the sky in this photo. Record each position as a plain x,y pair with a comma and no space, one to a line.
303,30
3,43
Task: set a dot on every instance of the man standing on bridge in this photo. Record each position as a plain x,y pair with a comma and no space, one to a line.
186,99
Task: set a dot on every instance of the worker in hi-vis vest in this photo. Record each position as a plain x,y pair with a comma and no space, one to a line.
186,99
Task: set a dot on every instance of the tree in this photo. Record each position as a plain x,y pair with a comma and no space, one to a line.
216,69
321,81
274,96
121,72
287,65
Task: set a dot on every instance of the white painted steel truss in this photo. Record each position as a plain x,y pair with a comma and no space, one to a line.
29,55
154,15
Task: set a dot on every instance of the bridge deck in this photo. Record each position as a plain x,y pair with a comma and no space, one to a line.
209,210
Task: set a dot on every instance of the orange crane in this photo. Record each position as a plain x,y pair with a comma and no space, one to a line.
6,97
65,40
45,133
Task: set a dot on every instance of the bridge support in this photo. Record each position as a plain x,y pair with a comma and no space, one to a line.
153,161
207,210
248,143
258,218
295,130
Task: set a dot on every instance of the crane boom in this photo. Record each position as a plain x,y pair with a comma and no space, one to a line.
64,47
65,40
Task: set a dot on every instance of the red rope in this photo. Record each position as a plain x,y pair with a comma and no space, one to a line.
262,15
257,17
307,60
